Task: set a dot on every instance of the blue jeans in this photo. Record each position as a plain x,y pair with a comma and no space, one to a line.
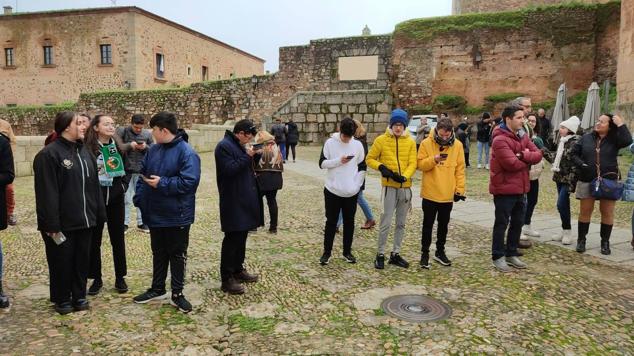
282,146
129,194
563,205
365,206
509,213
484,145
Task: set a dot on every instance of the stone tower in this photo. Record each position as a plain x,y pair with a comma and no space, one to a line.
366,31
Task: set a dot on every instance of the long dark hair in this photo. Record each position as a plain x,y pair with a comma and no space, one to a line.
63,120
91,138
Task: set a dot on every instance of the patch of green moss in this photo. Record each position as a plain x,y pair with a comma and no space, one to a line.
501,98
26,109
474,110
263,325
449,102
420,109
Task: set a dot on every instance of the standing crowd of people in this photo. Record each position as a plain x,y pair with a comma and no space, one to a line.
89,173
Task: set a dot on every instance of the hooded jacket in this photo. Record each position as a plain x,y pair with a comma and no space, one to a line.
173,202
441,180
397,154
344,180
7,174
509,173
67,193
585,156
237,187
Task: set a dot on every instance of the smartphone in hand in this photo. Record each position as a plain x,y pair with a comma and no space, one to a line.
350,157
443,156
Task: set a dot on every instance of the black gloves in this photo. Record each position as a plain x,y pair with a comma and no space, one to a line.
457,197
399,179
386,172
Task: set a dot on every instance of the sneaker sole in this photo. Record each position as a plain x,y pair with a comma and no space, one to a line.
502,269
425,266
349,261
441,261
179,308
160,297
516,266
232,292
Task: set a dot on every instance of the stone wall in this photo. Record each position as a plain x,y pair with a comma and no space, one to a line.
32,121
318,114
530,52
470,6
203,138
625,74
135,36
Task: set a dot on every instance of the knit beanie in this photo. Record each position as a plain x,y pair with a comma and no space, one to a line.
399,116
571,124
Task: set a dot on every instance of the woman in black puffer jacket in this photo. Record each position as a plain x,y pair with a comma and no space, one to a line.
604,142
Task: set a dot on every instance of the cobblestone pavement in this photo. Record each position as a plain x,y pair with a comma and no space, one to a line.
565,303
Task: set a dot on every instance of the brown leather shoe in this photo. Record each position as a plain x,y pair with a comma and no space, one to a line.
246,277
525,244
369,224
232,286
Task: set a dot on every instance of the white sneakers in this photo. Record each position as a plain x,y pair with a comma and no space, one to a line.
528,231
479,166
486,166
566,237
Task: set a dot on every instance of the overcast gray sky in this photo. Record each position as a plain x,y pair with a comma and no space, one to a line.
260,27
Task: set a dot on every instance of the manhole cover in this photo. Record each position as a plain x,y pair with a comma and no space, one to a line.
416,308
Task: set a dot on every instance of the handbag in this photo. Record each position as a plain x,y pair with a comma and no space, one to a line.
602,187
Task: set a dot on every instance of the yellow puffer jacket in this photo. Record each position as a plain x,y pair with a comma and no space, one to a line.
441,180
396,153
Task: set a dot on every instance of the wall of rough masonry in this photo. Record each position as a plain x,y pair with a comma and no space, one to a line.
318,114
470,6
625,77
530,52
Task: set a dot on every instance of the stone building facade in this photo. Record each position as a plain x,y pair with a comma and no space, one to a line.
52,57
459,7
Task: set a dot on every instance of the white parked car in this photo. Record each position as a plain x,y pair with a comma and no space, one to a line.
418,120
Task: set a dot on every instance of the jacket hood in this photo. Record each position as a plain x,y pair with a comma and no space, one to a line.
390,133
183,134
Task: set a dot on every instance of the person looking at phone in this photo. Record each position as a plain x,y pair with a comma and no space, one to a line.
166,195
69,205
394,155
513,152
134,141
342,156
441,160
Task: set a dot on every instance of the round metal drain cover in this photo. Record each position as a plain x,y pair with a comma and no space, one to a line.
416,308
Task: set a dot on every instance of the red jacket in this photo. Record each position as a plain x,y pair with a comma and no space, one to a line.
509,173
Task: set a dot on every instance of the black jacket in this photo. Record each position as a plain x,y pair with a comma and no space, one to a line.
584,154
67,194
484,131
292,134
237,187
6,177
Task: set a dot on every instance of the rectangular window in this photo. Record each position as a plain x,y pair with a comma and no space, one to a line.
106,53
8,57
205,73
48,55
12,105
160,65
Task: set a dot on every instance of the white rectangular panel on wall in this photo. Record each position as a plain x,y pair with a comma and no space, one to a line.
358,68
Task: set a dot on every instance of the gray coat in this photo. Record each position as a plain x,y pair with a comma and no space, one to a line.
124,136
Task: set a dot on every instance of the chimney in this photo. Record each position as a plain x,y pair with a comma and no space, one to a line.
8,10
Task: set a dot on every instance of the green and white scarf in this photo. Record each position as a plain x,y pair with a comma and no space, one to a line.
109,164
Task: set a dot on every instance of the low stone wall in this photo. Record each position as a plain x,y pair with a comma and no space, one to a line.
202,137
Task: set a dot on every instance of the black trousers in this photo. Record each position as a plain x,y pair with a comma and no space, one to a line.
509,213
531,201
271,201
68,265
234,246
348,208
431,210
115,212
169,249
289,147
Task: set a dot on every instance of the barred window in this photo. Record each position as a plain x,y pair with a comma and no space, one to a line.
8,57
48,55
106,53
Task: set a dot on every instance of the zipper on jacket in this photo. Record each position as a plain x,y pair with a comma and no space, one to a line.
398,162
83,185
107,195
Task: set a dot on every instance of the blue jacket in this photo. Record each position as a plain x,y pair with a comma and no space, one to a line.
237,187
173,202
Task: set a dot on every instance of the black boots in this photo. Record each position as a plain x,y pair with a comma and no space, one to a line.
582,231
4,300
606,231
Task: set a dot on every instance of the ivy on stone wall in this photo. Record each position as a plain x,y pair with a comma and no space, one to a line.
449,102
545,20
